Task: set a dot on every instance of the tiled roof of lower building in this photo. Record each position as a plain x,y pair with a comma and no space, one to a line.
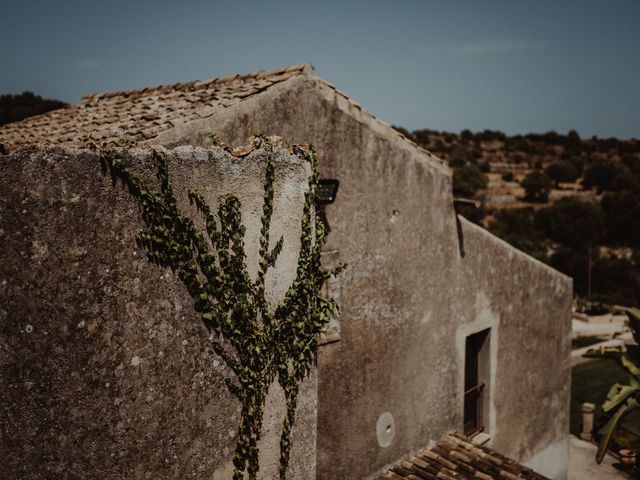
143,113
456,458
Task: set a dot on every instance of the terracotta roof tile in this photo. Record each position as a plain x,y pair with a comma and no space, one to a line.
141,113
456,458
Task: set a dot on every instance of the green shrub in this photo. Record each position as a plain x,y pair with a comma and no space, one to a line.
467,180
537,186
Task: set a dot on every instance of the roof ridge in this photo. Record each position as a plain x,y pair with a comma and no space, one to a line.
373,119
295,69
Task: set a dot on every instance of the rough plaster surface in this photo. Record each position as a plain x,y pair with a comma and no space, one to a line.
408,293
105,369
531,392
552,461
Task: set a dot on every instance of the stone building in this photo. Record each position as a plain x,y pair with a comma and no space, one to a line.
106,370
442,327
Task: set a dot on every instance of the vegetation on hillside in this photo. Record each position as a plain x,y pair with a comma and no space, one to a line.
573,203
18,107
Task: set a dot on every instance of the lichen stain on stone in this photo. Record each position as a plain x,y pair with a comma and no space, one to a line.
39,250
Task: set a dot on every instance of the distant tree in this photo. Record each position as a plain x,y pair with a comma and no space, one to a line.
571,150
518,228
577,226
537,186
632,162
438,146
626,147
18,107
601,175
572,222
576,162
467,180
458,156
490,135
424,137
574,263
517,158
615,281
532,145
455,162
466,135
561,171
485,166
607,145
514,143
573,137
622,214
552,138
626,181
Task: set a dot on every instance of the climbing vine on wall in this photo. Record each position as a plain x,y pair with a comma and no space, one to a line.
259,344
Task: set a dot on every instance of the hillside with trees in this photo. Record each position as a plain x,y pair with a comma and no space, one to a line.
572,203
18,107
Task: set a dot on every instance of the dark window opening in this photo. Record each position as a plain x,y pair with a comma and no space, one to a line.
476,377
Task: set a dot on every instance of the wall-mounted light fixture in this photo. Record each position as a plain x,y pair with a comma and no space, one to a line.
325,195
327,191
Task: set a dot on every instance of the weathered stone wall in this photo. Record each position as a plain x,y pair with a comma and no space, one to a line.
527,305
408,298
105,368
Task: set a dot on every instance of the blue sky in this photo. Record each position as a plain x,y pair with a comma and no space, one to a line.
516,66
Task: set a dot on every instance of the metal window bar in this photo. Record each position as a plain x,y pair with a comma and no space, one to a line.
473,407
